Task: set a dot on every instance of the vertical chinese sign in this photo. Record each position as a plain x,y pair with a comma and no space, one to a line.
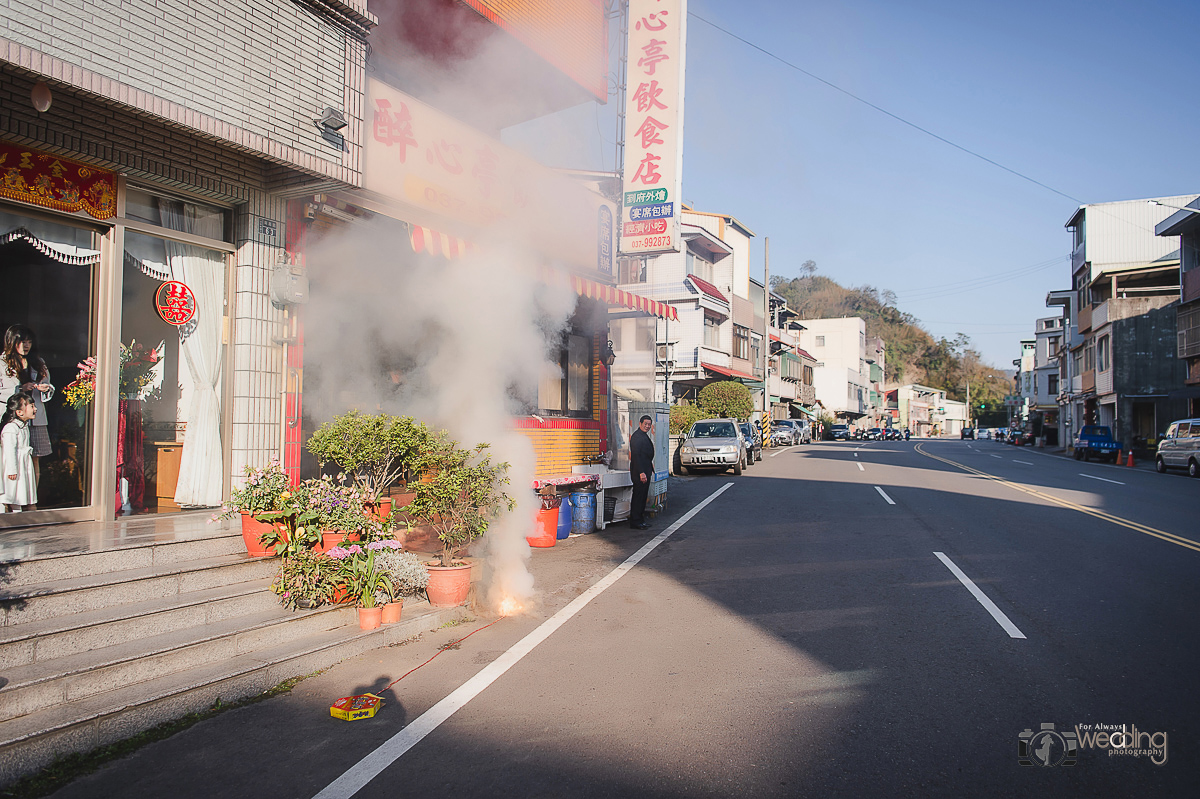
653,167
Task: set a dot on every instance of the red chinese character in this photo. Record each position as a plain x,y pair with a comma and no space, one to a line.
647,96
443,150
649,132
652,22
485,169
654,54
647,171
176,303
395,128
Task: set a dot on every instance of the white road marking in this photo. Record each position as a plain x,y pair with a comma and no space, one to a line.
856,453
994,455
780,452
394,748
1105,479
860,468
988,604
1027,463
883,494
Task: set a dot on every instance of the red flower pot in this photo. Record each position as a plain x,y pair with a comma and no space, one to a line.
341,595
391,612
448,585
252,532
369,618
382,508
333,538
545,529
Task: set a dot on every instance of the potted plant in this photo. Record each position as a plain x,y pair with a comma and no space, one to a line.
339,512
364,580
306,580
375,449
407,576
263,491
464,493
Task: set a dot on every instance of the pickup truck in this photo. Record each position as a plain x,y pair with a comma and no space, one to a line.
1094,439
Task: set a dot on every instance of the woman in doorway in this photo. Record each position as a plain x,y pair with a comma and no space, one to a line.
23,368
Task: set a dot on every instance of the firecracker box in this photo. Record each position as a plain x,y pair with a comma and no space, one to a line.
354,708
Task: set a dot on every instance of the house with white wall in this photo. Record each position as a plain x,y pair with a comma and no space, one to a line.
841,373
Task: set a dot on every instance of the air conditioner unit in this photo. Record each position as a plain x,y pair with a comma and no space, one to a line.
665,353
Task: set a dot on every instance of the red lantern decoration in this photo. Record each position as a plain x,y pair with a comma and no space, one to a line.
175,302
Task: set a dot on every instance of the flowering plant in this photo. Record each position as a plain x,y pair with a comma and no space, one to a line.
335,506
364,579
80,392
305,580
137,367
263,489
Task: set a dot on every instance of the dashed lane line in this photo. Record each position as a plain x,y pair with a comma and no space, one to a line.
1105,479
983,598
1137,527
883,494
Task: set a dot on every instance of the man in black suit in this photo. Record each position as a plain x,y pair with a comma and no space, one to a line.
641,470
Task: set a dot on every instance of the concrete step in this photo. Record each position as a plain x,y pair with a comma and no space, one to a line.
39,601
61,636
32,741
68,565
37,686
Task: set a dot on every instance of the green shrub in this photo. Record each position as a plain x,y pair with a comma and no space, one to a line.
726,399
682,417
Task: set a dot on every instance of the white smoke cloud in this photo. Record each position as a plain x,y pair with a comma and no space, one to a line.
457,344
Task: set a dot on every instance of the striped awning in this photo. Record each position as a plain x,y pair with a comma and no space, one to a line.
434,242
611,295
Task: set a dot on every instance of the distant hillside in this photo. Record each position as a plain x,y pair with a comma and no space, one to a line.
913,355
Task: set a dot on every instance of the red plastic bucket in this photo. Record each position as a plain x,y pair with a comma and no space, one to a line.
545,531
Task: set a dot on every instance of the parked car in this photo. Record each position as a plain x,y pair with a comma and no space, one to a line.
803,430
713,444
782,433
968,432
875,434
753,439
1095,440
893,434
840,432
1179,448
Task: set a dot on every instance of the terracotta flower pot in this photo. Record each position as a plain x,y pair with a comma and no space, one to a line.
341,595
333,538
382,508
252,532
369,618
391,612
448,585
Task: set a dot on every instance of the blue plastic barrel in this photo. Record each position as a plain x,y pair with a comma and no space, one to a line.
564,518
583,514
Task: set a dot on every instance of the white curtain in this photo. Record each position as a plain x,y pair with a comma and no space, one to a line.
203,271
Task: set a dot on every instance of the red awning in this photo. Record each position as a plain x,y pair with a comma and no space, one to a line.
805,354
612,295
725,370
428,240
708,288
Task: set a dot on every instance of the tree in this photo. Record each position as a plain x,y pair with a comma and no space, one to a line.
727,399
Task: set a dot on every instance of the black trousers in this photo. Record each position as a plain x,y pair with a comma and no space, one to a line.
640,491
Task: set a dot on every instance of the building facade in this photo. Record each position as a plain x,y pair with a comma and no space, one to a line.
1184,226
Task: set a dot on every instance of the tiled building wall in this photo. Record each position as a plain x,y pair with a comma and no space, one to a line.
254,74
155,155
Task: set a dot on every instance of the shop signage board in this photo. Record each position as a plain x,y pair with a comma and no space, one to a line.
459,180
52,181
653,164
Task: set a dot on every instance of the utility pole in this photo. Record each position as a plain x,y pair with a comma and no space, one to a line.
766,365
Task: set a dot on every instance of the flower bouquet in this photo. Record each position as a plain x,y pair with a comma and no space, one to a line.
137,368
80,392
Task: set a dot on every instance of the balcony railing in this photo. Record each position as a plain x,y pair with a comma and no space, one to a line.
1084,320
1089,380
1187,325
1190,289
1100,315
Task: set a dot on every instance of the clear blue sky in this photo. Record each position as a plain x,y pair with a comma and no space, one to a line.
1095,99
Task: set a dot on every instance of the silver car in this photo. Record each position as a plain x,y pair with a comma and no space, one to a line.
1180,447
713,444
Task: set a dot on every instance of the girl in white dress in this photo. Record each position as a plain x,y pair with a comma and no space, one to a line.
20,485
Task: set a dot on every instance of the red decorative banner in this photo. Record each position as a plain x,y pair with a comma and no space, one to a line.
175,302
52,181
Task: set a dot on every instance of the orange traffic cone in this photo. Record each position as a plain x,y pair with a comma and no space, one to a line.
1118,460
1130,461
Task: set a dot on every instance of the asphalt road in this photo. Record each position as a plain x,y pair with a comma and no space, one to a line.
798,636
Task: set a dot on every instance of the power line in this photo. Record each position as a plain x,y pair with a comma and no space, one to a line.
881,110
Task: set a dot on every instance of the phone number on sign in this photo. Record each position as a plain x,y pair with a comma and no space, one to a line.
650,243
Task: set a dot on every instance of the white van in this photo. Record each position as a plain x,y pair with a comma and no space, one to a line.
1180,448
